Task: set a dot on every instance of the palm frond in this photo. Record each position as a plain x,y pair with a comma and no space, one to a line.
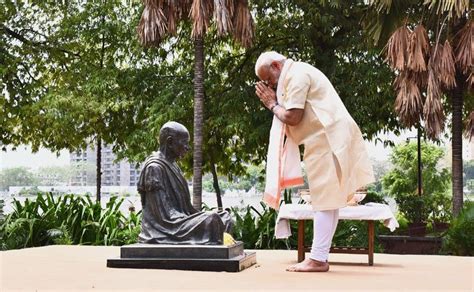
464,47
420,79
408,104
243,23
418,49
170,10
383,17
452,7
445,66
382,6
397,48
433,109
183,8
201,12
469,132
223,13
152,26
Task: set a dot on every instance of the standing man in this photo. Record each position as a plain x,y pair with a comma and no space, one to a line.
303,99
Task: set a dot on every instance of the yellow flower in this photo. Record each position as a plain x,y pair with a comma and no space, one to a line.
228,239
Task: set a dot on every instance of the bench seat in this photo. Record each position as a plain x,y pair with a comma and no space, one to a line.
303,212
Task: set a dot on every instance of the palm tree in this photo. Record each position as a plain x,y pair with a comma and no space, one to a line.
430,48
160,18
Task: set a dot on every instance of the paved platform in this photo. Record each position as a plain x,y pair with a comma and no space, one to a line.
81,268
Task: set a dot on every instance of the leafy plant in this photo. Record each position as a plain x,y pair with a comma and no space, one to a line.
441,208
257,229
352,233
459,239
415,208
373,196
67,219
245,227
401,181
2,204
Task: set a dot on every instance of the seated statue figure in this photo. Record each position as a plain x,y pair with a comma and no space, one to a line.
168,215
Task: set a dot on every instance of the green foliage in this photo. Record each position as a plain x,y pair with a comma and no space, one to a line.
17,176
443,21
326,36
460,237
67,219
373,196
2,204
441,206
401,181
415,208
208,184
351,233
257,229
43,176
84,75
29,191
253,177
54,175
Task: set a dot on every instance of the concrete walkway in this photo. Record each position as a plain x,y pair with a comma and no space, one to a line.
73,268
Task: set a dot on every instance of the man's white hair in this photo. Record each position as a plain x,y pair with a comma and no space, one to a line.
266,59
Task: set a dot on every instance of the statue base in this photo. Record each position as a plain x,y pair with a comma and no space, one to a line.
184,257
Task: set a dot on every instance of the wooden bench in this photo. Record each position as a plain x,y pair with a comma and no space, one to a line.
303,212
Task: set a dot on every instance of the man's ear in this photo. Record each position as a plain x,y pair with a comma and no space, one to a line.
276,65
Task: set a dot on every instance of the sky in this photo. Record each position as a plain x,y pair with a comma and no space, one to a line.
23,155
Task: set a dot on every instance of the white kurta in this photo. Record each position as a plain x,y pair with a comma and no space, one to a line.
335,157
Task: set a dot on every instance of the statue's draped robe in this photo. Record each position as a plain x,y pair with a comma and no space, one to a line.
168,216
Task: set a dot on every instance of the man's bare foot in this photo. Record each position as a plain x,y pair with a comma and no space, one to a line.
309,265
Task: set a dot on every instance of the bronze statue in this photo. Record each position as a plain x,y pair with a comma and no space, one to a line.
168,216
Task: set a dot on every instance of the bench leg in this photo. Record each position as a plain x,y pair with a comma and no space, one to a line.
300,240
371,235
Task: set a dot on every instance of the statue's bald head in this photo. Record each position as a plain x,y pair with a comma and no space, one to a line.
171,129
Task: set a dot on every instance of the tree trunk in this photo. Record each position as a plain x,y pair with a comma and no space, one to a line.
99,171
420,183
198,121
457,171
215,181
99,140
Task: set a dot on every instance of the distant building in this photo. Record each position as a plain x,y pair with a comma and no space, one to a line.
114,173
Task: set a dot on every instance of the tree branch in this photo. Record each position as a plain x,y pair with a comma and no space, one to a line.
43,45
16,35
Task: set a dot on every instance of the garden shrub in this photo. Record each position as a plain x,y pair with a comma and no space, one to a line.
459,239
67,219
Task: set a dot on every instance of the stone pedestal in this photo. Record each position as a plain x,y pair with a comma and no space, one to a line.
184,257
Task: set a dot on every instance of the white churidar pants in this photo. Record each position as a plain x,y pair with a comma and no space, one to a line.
324,227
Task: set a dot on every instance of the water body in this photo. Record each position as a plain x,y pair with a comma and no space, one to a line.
238,199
